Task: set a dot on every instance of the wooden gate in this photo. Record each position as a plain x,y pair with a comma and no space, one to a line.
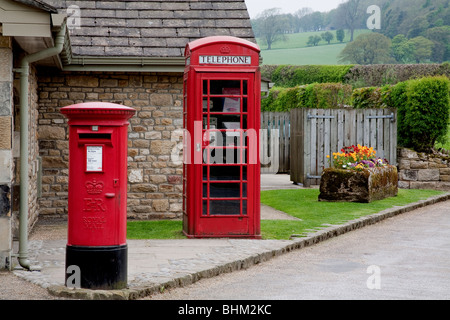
275,136
318,133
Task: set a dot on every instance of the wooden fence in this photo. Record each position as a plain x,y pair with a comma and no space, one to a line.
275,153
316,133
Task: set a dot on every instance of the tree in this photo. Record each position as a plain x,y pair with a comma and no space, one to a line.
313,41
288,22
312,22
440,37
270,26
413,17
369,48
419,26
402,49
340,35
350,16
298,15
423,48
317,20
327,36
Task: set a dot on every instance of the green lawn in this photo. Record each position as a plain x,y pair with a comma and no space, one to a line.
155,229
303,204
300,203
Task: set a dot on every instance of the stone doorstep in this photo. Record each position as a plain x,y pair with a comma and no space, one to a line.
187,279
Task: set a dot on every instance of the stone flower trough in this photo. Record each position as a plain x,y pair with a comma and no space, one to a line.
366,185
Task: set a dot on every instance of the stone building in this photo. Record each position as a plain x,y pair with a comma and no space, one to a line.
56,53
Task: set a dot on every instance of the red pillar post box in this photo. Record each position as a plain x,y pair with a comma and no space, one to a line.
222,98
97,199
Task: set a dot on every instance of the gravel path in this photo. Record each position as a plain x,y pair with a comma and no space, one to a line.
15,288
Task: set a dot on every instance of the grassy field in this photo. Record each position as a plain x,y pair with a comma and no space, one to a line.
295,51
302,204
320,55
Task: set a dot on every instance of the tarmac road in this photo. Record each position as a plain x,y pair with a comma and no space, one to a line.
404,257
408,253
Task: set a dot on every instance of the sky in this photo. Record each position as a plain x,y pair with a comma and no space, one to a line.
290,6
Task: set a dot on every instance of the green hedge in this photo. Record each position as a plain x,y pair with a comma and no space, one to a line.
422,109
325,96
290,76
316,95
358,76
370,97
425,113
280,99
422,105
390,74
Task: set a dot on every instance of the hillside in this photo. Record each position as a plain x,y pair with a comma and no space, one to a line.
320,55
413,20
295,50
413,17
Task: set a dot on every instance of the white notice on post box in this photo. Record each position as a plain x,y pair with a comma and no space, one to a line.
94,158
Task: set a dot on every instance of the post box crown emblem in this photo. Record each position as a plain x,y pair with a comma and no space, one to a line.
94,187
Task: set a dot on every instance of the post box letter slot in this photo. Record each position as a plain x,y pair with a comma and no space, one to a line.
103,136
110,195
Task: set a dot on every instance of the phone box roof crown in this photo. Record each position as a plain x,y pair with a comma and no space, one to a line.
222,50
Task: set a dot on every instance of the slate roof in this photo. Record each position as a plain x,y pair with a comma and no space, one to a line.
38,4
152,28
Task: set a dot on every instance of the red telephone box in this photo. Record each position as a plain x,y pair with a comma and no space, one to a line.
221,115
97,199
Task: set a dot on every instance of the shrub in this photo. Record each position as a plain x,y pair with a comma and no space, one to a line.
283,75
358,76
397,99
425,115
317,95
422,109
396,96
291,76
267,71
325,96
287,99
280,99
369,97
391,74
267,102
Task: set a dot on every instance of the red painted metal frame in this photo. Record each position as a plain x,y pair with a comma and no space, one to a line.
198,222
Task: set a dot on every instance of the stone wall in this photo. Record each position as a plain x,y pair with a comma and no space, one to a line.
33,150
6,149
154,181
423,171
33,153
10,146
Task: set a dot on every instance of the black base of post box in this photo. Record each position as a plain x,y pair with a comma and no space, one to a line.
99,267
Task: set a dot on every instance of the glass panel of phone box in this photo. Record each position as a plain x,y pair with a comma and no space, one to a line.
225,157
